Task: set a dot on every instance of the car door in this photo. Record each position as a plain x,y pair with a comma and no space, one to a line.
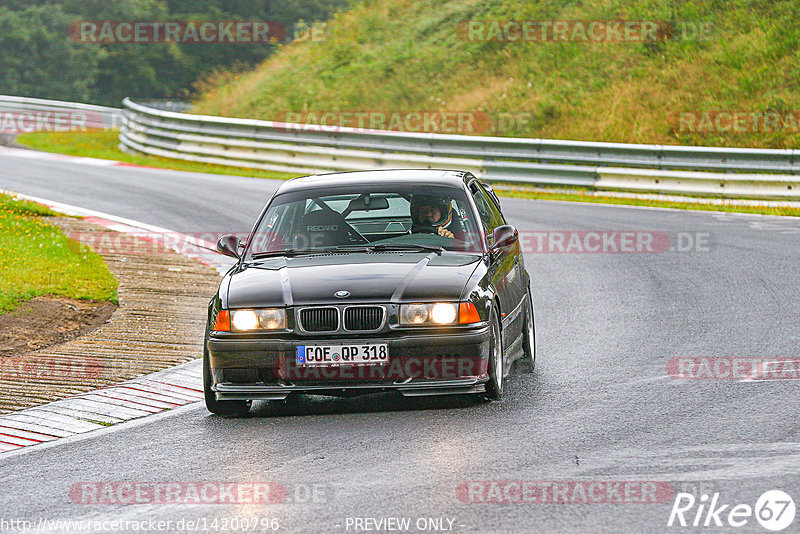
521,277
503,269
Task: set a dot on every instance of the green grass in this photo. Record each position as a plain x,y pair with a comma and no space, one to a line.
102,144
38,259
654,203
14,206
407,55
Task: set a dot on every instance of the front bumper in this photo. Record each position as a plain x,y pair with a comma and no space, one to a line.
420,363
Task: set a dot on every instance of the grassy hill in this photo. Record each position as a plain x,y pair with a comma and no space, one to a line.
404,55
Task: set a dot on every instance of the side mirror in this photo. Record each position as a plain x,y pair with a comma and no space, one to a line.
504,236
229,245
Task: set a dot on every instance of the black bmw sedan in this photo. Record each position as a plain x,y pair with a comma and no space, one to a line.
361,282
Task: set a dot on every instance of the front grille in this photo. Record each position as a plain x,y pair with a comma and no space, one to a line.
319,319
363,318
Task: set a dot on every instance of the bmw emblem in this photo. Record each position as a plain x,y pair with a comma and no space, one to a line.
341,294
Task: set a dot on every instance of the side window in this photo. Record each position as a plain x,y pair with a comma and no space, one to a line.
483,210
494,202
490,215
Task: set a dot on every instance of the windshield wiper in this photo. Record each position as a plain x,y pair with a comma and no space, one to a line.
276,253
380,247
383,247
387,247
353,248
407,246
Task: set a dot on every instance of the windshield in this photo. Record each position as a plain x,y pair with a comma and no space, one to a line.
387,216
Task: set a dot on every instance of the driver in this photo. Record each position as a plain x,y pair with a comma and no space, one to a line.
434,215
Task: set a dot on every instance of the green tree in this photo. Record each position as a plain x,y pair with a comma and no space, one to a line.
37,59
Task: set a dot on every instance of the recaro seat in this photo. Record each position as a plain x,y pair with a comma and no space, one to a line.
321,228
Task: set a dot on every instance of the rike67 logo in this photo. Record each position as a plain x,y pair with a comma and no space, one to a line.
774,511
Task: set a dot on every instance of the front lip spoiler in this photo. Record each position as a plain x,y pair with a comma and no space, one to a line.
457,386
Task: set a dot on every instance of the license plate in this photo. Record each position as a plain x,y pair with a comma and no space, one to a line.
316,355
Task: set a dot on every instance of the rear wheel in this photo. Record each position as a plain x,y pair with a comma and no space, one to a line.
228,408
494,387
528,360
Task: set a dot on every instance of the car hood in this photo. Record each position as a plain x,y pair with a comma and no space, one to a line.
369,277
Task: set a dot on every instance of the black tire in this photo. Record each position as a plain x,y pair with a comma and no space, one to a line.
227,408
494,387
527,363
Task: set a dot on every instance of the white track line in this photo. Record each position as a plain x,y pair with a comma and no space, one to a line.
50,156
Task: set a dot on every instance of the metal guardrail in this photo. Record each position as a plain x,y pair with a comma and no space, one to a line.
303,148
84,115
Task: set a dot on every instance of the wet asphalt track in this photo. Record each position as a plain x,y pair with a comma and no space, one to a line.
600,406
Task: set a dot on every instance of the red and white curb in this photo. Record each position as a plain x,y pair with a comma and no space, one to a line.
103,407
140,397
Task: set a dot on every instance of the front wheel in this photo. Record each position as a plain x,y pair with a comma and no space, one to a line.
528,360
227,408
494,387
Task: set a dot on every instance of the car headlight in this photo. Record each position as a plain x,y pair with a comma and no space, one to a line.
442,313
434,313
414,313
272,319
261,319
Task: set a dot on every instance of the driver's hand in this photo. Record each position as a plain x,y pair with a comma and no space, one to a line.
444,232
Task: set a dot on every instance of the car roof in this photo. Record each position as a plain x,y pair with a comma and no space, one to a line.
379,177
